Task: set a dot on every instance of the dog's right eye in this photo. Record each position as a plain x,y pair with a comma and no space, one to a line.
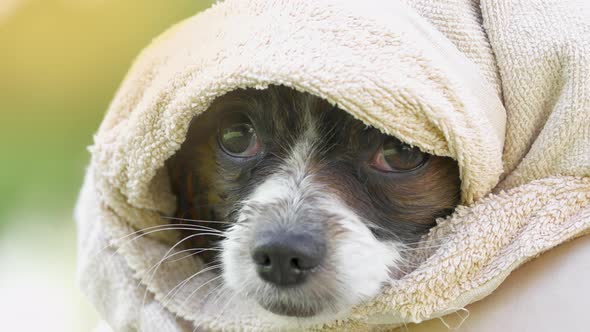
237,137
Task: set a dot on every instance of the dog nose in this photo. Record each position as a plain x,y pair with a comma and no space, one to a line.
286,259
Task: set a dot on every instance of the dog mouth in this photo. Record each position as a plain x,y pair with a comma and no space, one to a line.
284,309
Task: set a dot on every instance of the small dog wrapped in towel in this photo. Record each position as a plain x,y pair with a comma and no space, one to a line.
324,165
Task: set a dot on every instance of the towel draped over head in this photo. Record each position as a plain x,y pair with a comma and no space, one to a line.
501,86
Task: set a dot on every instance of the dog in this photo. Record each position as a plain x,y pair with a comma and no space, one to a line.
321,210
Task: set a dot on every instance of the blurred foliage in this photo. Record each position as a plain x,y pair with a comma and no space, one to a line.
61,62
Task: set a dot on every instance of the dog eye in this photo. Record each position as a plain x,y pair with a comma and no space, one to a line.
395,156
237,137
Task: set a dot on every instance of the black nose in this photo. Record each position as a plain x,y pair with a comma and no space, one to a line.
287,259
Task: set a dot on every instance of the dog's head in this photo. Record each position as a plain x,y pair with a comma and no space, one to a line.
324,209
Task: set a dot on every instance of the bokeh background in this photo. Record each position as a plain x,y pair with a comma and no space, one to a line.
61,62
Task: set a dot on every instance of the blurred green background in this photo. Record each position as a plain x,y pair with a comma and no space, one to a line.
61,62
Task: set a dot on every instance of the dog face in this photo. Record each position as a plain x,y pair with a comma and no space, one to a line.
324,209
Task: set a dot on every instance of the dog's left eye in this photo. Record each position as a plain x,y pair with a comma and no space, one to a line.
395,156
238,138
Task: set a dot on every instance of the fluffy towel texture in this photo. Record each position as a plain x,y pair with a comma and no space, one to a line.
433,73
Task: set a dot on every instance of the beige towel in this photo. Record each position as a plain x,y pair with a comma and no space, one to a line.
502,86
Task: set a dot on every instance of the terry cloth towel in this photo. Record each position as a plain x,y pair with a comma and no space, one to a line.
501,86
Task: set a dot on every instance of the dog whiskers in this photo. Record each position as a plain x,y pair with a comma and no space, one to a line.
121,245
196,252
166,255
201,286
174,291
154,229
197,220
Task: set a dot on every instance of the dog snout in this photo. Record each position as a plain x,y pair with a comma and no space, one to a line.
287,259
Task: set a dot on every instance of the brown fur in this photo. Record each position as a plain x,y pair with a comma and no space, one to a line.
413,200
